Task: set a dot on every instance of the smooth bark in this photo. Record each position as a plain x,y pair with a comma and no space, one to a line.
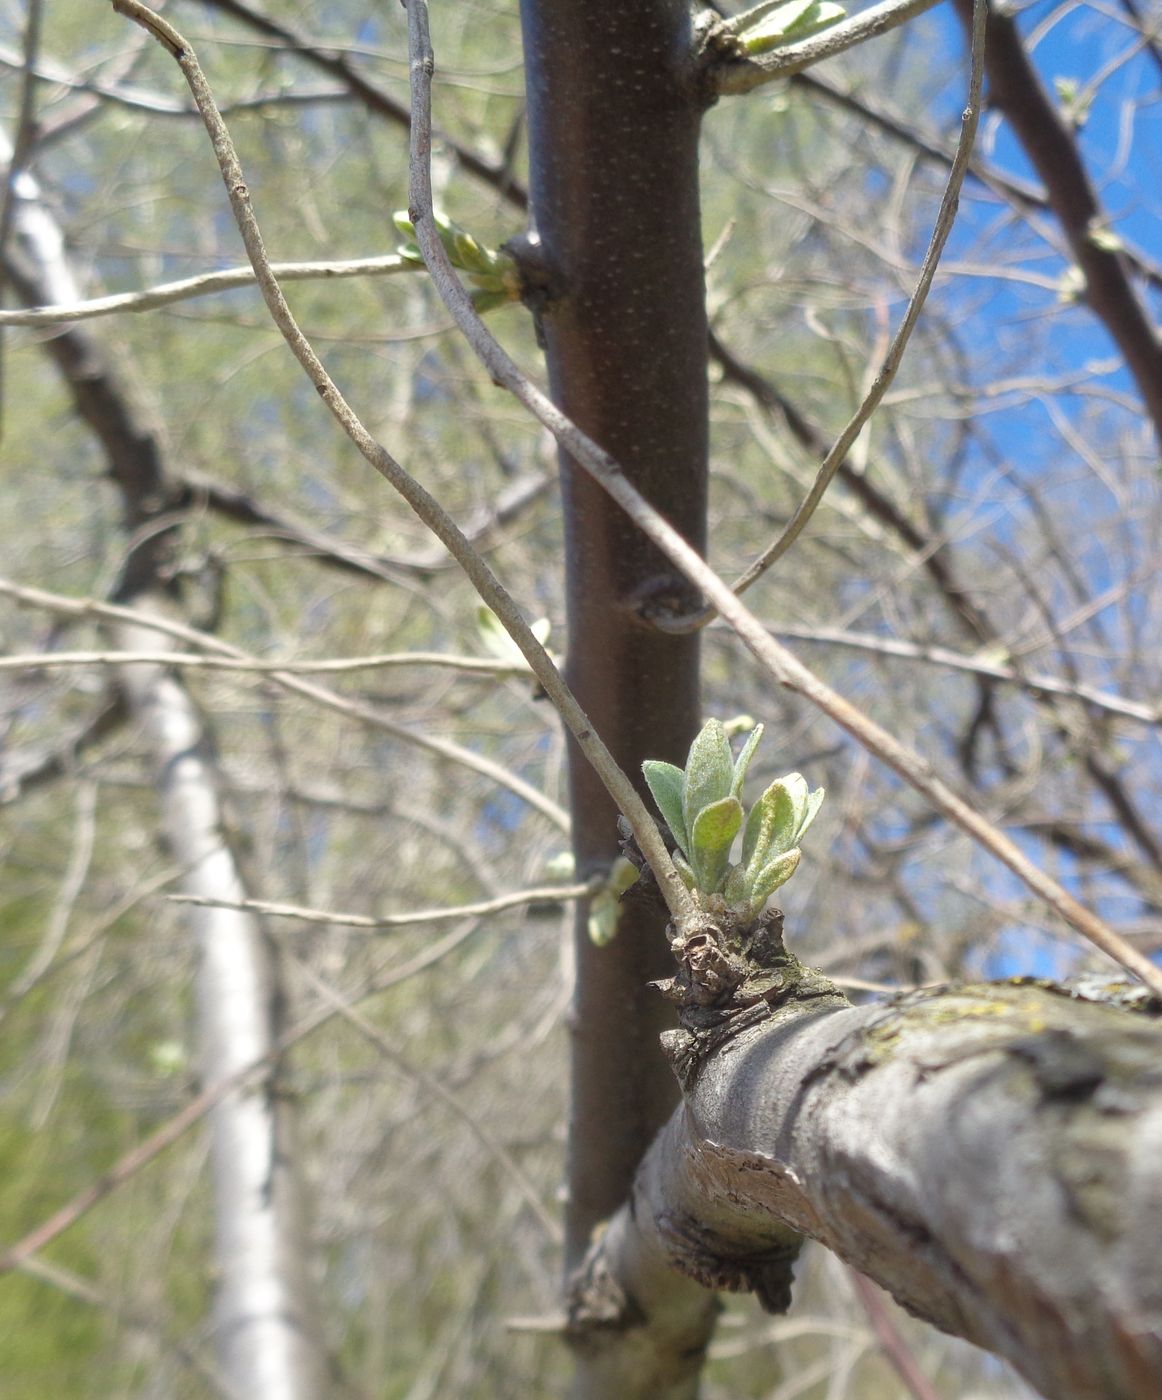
613,133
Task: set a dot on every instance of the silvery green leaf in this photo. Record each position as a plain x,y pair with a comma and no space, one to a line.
665,782
402,221
814,802
742,763
682,866
734,888
798,19
711,838
709,771
773,821
768,880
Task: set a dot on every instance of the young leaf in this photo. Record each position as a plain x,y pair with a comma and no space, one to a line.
814,802
665,782
485,300
602,922
496,639
773,821
734,890
711,837
682,866
709,771
605,908
768,880
798,19
742,763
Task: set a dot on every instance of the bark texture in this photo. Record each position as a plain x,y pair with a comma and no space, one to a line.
613,134
989,1154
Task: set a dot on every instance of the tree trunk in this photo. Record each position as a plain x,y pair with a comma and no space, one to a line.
613,140
265,1320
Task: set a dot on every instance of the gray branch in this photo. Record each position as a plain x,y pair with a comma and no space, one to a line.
989,1154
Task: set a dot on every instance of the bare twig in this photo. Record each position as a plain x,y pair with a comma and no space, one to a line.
892,1343
175,1128
678,898
382,104
545,894
831,464
205,284
320,695
435,1088
340,665
1016,90
1034,682
24,136
780,663
74,1286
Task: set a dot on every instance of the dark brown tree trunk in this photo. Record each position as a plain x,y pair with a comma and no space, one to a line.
613,132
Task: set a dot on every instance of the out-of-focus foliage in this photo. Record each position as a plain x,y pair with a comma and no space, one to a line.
1003,507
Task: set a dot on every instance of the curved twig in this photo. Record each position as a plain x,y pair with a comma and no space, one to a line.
784,667
678,898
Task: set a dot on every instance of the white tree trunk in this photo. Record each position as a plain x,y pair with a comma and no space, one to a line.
265,1320
266,1332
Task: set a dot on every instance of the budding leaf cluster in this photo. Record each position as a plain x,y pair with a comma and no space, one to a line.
702,805
492,275
768,26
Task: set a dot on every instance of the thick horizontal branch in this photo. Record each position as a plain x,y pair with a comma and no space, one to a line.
989,1154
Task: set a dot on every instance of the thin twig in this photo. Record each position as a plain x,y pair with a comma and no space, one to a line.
339,665
1034,682
678,898
738,75
786,669
152,1327
205,284
435,1088
22,140
545,894
320,695
331,60
176,1127
892,1342
18,156
945,218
